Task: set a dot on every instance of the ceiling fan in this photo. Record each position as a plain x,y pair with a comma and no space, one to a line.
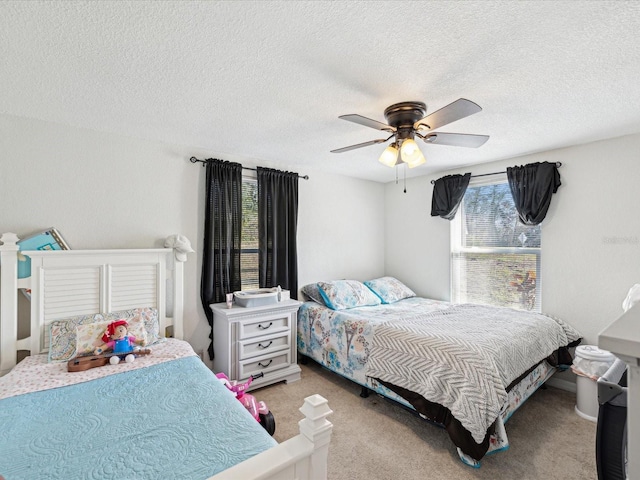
406,120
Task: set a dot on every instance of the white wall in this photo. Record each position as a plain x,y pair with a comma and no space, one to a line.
110,191
590,237
340,229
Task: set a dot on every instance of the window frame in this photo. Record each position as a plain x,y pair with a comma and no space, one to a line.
455,246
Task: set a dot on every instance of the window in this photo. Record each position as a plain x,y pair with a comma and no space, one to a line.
495,259
249,240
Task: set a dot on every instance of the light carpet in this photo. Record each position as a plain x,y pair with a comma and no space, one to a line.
374,438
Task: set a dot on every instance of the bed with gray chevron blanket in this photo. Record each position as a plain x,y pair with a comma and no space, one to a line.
455,364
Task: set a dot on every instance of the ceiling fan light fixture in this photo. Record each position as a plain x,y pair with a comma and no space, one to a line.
418,161
407,120
390,156
409,152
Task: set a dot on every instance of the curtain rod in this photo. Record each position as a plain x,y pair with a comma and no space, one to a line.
558,165
195,160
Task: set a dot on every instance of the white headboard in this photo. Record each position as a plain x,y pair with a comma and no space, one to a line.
65,283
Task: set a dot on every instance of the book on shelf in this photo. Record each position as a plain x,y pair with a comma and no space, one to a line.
49,239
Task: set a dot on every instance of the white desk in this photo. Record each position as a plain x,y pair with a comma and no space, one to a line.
622,338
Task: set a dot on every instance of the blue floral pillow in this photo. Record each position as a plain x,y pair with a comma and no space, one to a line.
343,294
389,289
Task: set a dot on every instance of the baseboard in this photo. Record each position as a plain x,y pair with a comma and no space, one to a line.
562,384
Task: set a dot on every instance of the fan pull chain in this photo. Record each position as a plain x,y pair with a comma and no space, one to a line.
405,178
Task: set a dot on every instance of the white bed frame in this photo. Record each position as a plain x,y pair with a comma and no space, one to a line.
64,283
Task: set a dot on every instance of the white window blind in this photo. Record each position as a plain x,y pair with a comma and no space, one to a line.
495,259
249,241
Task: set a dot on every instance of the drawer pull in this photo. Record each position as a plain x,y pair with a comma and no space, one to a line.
265,366
265,346
264,328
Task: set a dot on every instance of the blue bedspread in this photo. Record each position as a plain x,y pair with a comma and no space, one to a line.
172,420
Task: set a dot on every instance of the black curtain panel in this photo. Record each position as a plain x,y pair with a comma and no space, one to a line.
222,227
277,228
532,186
448,192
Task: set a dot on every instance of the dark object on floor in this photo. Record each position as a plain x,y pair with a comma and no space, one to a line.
611,436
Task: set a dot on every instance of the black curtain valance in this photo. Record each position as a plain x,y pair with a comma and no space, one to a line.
448,192
532,186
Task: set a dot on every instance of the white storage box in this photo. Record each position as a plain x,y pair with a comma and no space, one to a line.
260,297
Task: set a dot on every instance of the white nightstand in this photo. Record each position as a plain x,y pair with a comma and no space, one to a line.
250,340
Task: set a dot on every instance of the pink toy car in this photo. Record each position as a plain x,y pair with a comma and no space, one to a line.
259,410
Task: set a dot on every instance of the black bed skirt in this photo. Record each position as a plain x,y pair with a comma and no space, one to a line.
460,436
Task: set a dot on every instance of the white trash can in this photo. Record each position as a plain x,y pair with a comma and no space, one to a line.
589,364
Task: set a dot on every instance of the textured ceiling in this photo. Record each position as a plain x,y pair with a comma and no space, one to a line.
268,79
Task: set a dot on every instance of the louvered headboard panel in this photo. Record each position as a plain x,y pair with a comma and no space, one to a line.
134,285
66,283
68,292
72,291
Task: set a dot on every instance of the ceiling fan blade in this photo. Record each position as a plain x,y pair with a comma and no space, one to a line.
454,111
456,139
367,122
359,145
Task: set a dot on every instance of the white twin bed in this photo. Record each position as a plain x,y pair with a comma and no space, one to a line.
163,416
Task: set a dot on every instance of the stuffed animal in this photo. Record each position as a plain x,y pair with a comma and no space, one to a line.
117,339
